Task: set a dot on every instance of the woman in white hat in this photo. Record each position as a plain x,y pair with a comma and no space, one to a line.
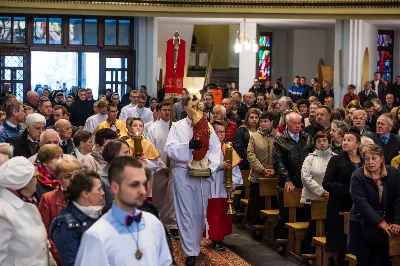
23,238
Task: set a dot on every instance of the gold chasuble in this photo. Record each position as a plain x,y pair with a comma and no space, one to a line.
149,151
235,157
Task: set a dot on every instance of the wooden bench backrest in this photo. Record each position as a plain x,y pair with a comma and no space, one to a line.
394,245
318,209
245,177
268,187
292,201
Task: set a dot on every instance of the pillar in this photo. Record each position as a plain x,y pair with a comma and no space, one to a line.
248,60
146,47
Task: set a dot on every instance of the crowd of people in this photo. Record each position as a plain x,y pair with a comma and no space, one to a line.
108,182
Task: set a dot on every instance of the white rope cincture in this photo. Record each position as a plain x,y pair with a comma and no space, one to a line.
204,209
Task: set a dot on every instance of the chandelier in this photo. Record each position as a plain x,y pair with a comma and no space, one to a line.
243,42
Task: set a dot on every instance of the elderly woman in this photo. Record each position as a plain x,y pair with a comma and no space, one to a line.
83,141
48,156
23,238
312,174
337,183
359,119
259,155
375,190
94,161
27,144
84,199
51,202
6,149
312,116
338,128
243,134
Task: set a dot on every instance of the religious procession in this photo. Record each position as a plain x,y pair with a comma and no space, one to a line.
170,180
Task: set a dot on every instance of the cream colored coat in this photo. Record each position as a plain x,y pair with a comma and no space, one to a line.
23,238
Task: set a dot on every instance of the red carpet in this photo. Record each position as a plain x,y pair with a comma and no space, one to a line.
209,256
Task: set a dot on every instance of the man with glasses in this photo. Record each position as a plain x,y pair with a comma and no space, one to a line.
219,113
112,122
389,143
145,114
134,97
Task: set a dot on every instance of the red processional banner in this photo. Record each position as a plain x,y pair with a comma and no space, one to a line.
174,81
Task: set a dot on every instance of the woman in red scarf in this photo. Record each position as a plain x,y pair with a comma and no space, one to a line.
48,156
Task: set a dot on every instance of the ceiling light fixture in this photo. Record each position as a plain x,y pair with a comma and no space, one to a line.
243,42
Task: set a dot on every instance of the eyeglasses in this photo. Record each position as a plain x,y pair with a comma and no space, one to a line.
142,102
358,118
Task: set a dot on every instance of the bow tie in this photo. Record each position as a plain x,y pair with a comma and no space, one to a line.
131,218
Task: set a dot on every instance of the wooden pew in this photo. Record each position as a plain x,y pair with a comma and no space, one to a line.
318,214
268,189
394,249
245,202
296,229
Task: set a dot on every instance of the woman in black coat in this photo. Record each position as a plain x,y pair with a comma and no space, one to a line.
375,190
243,134
337,183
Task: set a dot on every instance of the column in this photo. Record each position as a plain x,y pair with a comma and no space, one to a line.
248,60
146,47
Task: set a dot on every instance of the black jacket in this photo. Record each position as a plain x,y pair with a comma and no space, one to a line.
243,109
22,146
235,118
240,143
323,94
381,90
256,91
69,147
80,111
368,208
288,157
371,123
315,128
364,98
390,149
337,183
67,230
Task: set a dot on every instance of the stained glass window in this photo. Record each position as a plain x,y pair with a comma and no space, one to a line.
385,54
5,29
75,31
264,56
55,30
39,30
19,30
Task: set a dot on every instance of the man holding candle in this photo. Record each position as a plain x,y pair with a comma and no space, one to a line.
219,221
191,193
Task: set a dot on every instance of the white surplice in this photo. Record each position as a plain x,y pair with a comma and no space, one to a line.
109,242
147,127
93,121
124,111
143,113
191,193
217,188
163,185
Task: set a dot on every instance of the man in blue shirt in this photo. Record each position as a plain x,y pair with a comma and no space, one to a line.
297,91
14,116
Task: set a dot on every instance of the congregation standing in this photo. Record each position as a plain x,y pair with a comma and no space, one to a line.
70,166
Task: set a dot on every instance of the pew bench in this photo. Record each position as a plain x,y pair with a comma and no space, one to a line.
322,258
296,234
268,189
270,218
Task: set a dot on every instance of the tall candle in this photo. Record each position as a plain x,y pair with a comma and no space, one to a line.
137,141
228,157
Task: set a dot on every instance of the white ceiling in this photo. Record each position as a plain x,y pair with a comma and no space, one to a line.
386,24
270,23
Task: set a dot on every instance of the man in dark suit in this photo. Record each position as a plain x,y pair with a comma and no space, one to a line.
371,118
389,143
250,103
379,87
64,130
27,144
367,94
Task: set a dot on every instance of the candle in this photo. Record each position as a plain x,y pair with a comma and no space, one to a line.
137,142
228,157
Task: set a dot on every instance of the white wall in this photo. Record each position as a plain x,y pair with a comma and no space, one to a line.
233,57
247,61
368,36
166,31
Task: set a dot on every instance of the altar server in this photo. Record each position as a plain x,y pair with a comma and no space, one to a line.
219,221
191,193
163,186
139,111
95,120
112,122
124,111
125,235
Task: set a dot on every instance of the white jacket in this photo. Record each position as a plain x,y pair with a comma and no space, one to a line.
23,238
312,174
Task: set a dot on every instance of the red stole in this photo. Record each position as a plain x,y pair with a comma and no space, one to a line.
174,84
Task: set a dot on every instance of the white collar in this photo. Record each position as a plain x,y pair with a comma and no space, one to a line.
78,154
11,198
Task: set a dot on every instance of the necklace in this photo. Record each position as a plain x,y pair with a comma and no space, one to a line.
138,253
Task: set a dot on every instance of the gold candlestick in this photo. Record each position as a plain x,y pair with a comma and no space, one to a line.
137,141
228,177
